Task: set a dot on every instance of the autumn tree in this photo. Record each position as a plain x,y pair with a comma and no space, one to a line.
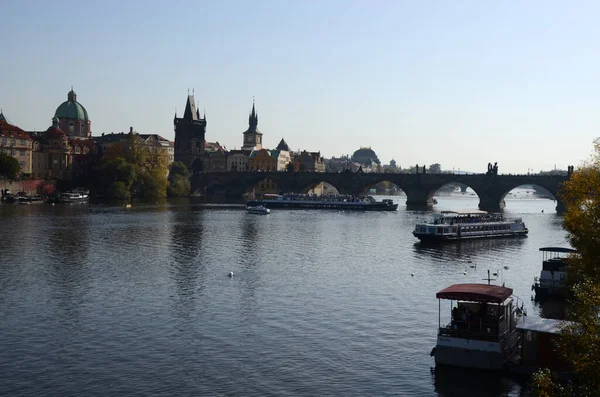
579,341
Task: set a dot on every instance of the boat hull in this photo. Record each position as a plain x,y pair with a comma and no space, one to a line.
472,353
322,205
467,358
435,238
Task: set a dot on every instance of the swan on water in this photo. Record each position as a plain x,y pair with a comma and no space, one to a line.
230,274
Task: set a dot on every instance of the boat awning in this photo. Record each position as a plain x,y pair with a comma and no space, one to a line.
543,325
559,249
476,293
466,212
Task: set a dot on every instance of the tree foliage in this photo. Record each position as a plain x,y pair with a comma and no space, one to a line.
179,180
9,166
134,167
579,341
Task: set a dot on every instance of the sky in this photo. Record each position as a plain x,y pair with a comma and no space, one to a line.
460,83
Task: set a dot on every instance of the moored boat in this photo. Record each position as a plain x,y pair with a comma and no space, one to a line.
73,197
329,201
258,210
460,225
482,330
553,277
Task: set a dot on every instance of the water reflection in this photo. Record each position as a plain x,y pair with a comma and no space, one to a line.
187,269
67,243
461,382
466,249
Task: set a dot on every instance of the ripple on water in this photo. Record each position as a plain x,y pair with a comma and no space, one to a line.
103,300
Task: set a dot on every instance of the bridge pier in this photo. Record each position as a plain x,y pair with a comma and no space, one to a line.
418,198
491,205
560,207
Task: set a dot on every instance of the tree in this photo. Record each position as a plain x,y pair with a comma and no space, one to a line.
179,180
9,166
435,169
579,341
141,167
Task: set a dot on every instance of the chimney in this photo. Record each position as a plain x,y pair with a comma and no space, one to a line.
131,130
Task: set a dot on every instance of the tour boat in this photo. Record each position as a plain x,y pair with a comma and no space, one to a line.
73,197
461,225
482,329
328,201
258,210
553,277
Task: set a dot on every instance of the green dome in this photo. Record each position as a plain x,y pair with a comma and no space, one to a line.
71,109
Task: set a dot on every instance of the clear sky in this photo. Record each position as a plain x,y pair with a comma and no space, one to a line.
462,83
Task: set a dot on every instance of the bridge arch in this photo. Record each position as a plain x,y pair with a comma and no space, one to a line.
318,186
494,198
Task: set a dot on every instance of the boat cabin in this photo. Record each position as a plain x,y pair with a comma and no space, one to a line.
480,330
553,277
456,225
538,345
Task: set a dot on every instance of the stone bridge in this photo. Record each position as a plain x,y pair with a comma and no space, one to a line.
419,188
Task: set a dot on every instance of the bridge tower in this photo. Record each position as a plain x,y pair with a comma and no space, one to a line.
190,131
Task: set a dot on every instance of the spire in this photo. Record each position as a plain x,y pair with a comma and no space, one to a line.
253,119
190,113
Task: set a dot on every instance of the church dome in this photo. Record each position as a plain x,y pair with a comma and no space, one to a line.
71,109
365,155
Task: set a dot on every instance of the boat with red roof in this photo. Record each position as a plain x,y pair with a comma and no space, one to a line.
481,331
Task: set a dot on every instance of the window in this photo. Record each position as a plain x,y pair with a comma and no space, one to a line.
21,153
77,150
22,164
22,142
4,141
71,128
85,149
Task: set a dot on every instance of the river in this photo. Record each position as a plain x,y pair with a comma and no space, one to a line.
98,300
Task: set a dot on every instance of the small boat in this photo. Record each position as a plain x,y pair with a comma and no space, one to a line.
461,225
30,200
553,277
73,197
258,210
482,331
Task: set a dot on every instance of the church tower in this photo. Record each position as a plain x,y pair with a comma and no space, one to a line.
190,131
252,136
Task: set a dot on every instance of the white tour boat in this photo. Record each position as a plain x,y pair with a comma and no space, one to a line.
258,210
73,197
461,225
553,277
482,329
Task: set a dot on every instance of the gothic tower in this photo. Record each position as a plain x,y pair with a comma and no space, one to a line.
190,131
252,136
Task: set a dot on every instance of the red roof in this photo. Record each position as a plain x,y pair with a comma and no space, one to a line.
475,292
9,130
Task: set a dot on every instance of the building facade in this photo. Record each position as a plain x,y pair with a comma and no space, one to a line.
262,160
237,160
309,161
16,143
